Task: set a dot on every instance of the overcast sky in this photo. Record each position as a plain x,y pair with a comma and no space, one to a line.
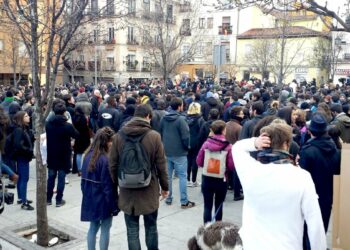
334,5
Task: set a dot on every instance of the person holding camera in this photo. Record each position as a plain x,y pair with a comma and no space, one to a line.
279,196
23,153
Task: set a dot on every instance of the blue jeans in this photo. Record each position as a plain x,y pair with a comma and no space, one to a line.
79,161
132,226
51,184
6,169
23,172
104,237
179,164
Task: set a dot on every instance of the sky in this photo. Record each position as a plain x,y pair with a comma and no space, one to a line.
334,5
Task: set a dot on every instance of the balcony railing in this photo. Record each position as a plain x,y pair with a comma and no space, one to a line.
110,67
74,65
225,29
112,41
185,32
91,65
132,42
171,19
346,56
146,67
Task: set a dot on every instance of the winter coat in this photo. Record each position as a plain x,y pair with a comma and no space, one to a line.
81,124
109,116
143,200
95,103
156,118
83,102
211,103
195,122
59,150
216,143
204,131
321,158
233,130
248,127
175,134
22,143
99,195
342,122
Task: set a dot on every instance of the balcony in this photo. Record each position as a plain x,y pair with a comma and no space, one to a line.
91,65
185,32
132,42
146,67
346,56
110,67
185,7
225,29
131,65
112,41
171,19
74,65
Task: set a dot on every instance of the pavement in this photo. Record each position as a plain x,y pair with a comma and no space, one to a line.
175,225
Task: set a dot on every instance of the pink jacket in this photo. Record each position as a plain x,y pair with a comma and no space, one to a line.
216,143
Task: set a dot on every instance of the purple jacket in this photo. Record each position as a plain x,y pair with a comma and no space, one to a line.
216,143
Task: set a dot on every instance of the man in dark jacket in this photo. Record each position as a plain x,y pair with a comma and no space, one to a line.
95,102
59,151
341,121
321,158
142,201
211,103
158,114
176,139
257,109
109,116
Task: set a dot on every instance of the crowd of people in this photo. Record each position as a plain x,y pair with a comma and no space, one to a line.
276,146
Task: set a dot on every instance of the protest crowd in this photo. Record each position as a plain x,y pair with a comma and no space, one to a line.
276,147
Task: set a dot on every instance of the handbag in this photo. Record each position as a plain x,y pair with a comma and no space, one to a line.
215,163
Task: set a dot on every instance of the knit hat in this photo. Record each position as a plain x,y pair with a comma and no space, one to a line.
318,123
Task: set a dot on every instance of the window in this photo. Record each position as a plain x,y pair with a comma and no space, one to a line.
81,57
169,12
200,50
226,20
94,6
1,45
185,29
131,6
201,23
248,48
130,58
209,48
110,7
22,51
96,35
110,60
110,34
146,35
157,7
210,23
157,39
146,7
185,49
131,37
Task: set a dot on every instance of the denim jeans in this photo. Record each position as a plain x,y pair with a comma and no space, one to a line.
23,178
179,165
213,188
51,184
7,170
104,237
79,158
132,226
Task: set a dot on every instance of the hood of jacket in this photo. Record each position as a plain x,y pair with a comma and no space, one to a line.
344,119
325,144
58,119
136,126
171,116
83,97
212,101
217,143
192,119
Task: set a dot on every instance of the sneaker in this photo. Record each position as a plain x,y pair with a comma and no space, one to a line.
196,184
66,180
27,206
189,204
189,184
20,202
61,203
238,198
168,202
49,203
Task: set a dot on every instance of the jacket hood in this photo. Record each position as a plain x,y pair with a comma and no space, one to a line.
192,119
171,116
136,126
83,97
58,119
217,143
212,101
344,119
324,144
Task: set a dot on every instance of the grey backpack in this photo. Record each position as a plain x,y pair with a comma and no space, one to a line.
135,169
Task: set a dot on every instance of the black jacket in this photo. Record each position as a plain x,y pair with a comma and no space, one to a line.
248,127
195,122
156,118
321,158
22,143
211,103
59,150
81,125
109,116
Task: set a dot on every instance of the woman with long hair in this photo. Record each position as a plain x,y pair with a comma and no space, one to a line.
99,195
23,153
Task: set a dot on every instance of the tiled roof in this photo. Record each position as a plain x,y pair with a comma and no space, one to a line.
290,32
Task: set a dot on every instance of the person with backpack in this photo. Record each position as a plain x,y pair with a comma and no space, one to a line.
215,157
99,202
138,166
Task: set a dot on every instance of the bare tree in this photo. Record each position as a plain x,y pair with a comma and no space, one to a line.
169,43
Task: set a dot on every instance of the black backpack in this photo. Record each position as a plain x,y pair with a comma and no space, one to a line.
135,168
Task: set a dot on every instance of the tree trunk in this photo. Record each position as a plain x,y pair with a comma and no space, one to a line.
164,87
